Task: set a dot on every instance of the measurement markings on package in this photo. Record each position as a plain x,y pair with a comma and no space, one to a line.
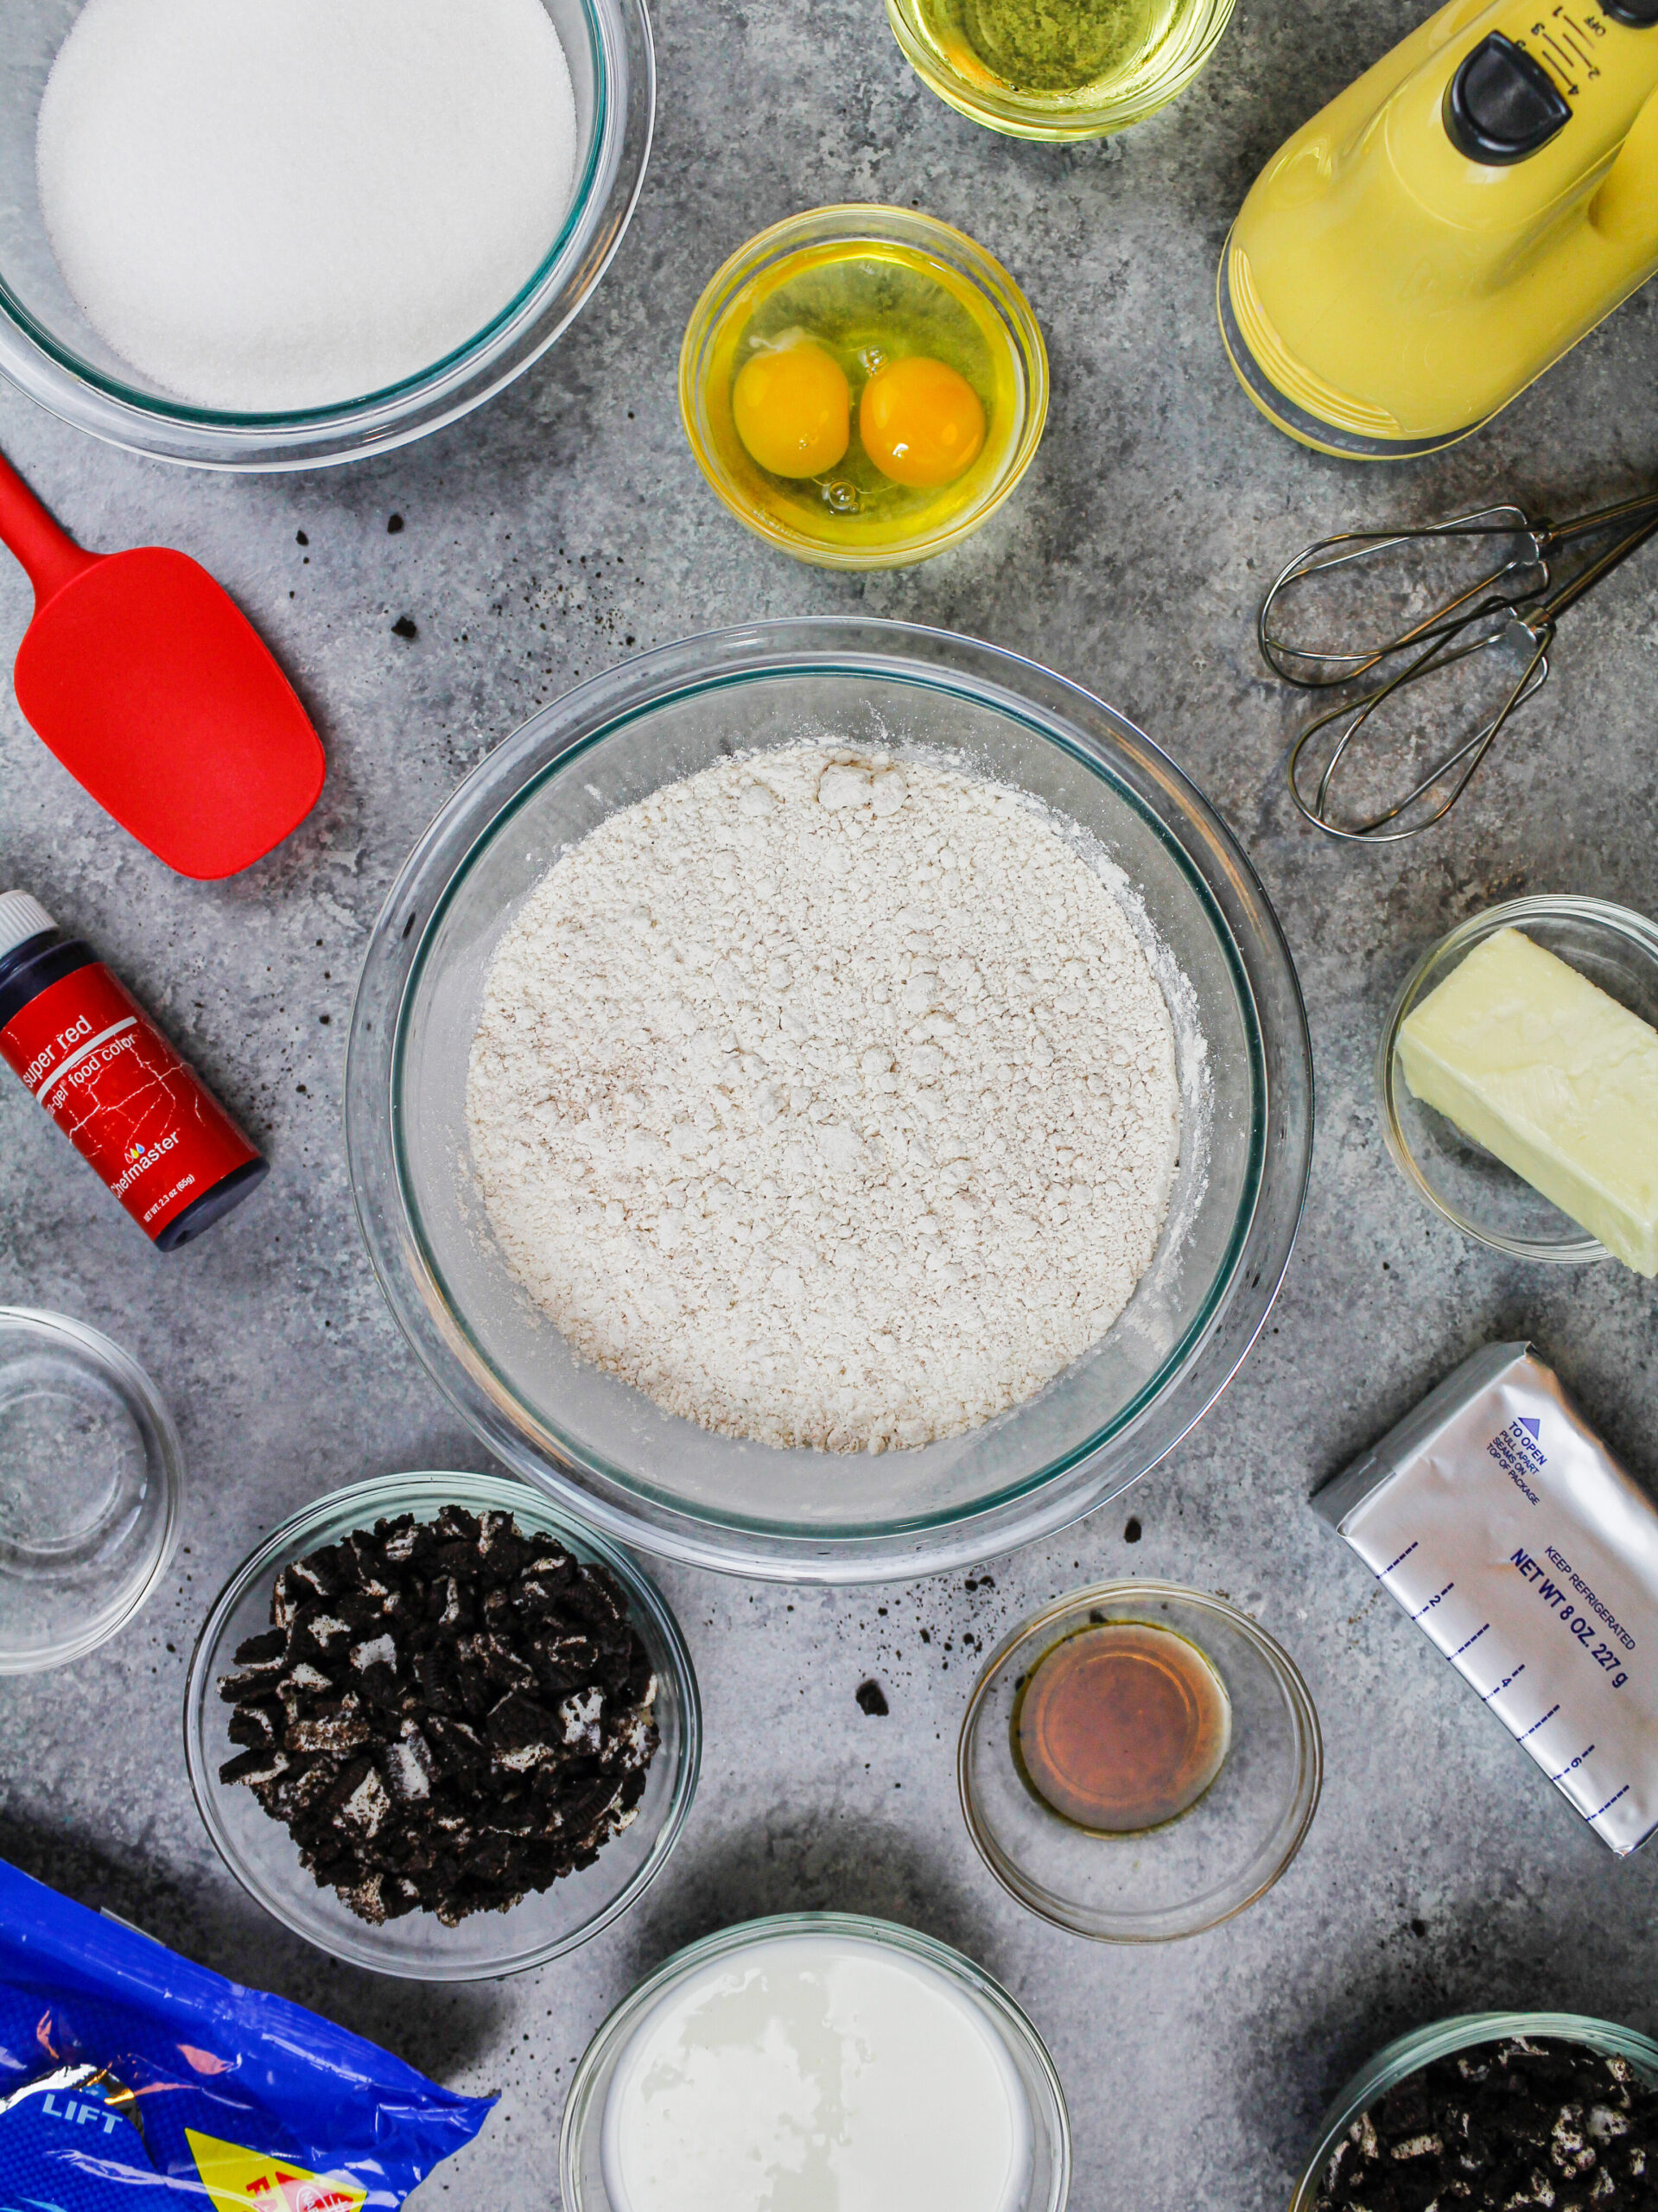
1501,1525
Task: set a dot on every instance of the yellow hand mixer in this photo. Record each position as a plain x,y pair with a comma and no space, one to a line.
1449,225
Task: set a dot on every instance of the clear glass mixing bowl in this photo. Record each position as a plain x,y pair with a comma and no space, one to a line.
1408,2054
264,1858
49,350
1618,951
730,304
92,1488
1194,1872
602,1447
581,2149
1176,39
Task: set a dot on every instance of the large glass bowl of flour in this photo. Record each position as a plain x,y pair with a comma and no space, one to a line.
412,270
592,1441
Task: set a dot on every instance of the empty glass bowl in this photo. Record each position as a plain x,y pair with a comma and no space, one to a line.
1194,1871
873,282
1616,950
90,1487
1161,47
1047,2179
48,349
602,1447
264,1858
1408,2054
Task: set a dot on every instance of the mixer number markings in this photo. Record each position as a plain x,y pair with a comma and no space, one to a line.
1566,42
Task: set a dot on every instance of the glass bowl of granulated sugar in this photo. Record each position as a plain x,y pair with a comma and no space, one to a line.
296,232
828,1100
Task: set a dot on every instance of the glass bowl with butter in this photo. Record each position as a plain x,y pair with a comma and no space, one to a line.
1520,1095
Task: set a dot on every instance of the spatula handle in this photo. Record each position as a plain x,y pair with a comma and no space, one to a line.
50,555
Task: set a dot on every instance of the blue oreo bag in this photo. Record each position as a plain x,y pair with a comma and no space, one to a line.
131,2081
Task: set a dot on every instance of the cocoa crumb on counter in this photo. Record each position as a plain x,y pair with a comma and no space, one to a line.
1500,2126
445,1715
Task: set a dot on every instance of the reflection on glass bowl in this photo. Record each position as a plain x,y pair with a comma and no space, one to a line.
590,1440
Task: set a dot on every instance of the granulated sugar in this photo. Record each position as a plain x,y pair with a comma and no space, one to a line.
271,204
828,1099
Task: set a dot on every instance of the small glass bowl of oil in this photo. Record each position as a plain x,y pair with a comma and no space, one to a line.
863,385
1139,1761
1113,63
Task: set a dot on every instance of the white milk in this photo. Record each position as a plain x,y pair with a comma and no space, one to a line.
822,2073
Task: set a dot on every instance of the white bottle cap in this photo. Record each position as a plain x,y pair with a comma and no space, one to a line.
21,918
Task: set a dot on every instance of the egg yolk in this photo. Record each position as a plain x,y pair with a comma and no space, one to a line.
793,409
921,423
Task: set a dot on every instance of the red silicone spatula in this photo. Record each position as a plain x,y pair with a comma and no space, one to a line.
155,691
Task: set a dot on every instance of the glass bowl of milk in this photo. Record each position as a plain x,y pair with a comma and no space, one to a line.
823,2060
298,231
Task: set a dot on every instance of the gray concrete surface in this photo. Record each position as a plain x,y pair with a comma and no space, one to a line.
565,527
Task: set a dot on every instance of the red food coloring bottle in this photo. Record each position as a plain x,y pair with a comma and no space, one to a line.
113,1085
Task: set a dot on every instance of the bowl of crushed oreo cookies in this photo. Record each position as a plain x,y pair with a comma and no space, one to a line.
1494,2110
440,1729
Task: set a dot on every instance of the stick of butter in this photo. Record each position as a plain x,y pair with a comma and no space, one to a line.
1533,1061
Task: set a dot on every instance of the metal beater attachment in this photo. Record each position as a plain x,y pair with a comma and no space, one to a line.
1470,603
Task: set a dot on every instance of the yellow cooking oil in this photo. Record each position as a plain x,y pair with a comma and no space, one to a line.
1082,48
867,305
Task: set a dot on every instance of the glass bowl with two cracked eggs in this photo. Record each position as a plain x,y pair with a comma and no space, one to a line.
601,1447
863,386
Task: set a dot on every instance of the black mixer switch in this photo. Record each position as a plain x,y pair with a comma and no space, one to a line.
1640,14
1501,105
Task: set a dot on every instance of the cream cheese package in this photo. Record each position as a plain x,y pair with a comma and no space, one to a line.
1506,1529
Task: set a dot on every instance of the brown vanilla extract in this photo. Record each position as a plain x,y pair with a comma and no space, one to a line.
1122,1726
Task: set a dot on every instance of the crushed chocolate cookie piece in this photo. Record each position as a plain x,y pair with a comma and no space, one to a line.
1502,2125
445,1715
872,1700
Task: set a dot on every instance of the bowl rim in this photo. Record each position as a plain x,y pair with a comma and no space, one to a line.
1407,2053
387,1494
610,2037
1622,922
1303,1714
1044,115
103,1354
1244,923
854,222
602,206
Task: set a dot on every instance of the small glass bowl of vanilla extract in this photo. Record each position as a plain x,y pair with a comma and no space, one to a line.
863,386
1139,1761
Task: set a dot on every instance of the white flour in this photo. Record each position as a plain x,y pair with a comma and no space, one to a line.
827,1099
